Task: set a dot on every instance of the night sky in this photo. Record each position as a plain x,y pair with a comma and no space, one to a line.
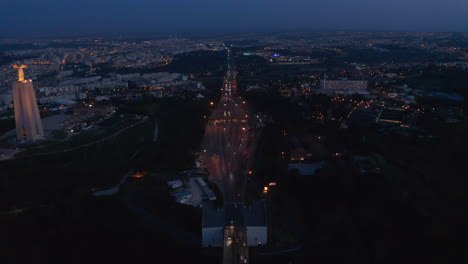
119,16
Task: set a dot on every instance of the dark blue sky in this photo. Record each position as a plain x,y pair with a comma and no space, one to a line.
117,16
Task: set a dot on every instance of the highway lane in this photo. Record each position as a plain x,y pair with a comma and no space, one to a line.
226,150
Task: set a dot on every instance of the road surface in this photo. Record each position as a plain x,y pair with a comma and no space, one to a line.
225,153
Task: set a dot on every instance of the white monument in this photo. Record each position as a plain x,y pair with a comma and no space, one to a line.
28,121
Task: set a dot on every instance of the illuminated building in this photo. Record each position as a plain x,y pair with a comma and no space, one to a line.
343,85
27,118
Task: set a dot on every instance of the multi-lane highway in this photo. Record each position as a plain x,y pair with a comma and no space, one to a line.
225,153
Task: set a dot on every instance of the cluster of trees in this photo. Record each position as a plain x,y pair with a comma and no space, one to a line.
413,208
42,179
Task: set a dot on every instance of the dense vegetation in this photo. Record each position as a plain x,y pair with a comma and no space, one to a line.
44,179
198,63
410,211
181,123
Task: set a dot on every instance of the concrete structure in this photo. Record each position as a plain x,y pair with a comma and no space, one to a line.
214,219
182,195
207,192
28,120
197,193
212,225
306,169
175,184
256,224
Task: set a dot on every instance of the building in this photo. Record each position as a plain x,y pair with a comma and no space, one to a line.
207,192
174,184
182,195
27,118
343,85
212,225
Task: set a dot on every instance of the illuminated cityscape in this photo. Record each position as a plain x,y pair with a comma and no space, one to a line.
272,132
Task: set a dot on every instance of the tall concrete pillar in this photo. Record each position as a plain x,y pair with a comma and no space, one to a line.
28,121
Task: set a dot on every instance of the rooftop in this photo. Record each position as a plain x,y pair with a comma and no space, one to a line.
212,216
256,214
